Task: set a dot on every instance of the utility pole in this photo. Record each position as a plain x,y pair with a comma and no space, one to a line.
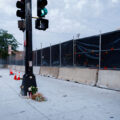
25,13
28,78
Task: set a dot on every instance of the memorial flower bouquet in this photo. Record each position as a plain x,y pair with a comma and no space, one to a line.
33,90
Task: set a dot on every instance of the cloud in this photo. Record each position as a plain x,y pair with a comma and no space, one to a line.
8,7
115,1
66,18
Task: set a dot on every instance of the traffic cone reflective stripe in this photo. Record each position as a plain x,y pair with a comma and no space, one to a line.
18,77
15,77
11,72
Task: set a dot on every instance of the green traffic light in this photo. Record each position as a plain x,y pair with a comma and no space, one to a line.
44,12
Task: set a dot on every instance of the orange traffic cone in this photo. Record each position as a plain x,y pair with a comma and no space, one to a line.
18,76
15,77
11,72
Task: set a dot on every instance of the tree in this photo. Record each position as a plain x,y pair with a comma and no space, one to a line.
5,40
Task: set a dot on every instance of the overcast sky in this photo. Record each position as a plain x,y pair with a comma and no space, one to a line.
67,18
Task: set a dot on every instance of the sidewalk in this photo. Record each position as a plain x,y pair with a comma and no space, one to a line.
65,101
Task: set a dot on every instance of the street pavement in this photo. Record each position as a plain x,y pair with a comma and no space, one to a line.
65,101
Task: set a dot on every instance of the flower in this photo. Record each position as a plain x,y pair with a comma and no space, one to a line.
29,89
33,89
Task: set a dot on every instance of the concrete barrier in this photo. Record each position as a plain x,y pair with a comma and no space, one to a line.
49,71
13,67
18,68
22,69
9,66
36,70
1,66
109,79
84,76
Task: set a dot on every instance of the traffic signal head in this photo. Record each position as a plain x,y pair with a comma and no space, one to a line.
41,24
41,10
21,6
21,25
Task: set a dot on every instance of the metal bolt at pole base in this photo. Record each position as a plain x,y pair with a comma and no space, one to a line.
29,78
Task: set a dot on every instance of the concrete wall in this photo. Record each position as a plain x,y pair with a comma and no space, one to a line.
49,71
84,76
109,79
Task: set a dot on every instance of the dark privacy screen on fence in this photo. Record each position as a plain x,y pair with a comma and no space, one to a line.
101,51
67,53
87,52
46,56
55,55
110,57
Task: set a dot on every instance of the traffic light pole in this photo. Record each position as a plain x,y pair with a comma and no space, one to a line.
28,78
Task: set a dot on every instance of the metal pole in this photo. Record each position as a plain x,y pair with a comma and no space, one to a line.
24,37
15,60
50,55
2,61
41,54
100,50
36,56
60,53
10,59
73,52
29,78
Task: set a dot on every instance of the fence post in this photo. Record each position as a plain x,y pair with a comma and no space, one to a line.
36,56
10,59
100,50
15,60
73,52
41,54
50,55
60,53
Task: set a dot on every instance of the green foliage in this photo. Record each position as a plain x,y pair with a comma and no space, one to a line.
5,40
33,89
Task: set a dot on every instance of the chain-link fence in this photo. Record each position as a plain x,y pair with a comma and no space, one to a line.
101,51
